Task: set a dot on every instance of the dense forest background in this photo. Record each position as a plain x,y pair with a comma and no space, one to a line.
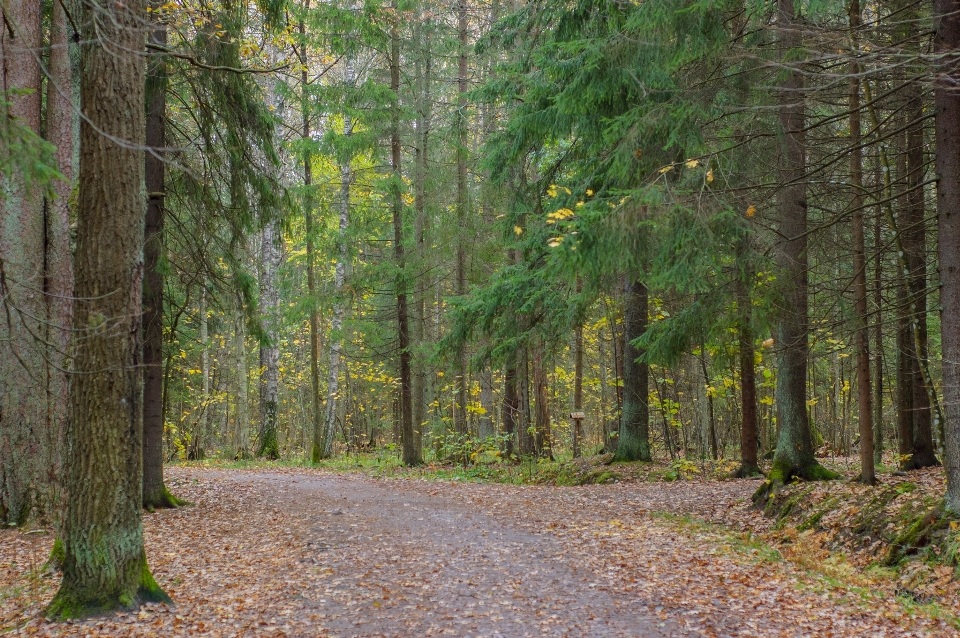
704,229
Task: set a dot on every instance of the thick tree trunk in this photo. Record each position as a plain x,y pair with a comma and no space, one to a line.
794,456
155,494
526,445
947,123
411,455
23,403
634,440
104,566
269,351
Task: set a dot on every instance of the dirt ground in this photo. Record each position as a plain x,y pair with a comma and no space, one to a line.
313,553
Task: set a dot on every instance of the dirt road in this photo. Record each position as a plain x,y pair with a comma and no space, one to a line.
308,553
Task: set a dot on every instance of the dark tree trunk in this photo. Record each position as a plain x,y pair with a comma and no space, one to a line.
633,444
543,440
460,412
105,565
913,237
947,123
794,455
862,336
411,455
155,494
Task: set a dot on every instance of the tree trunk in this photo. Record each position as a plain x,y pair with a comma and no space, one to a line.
862,336
155,494
526,445
23,405
485,429
794,455
423,69
460,413
58,259
241,434
634,440
749,431
269,352
543,444
411,455
913,237
510,407
947,123
105,565
878,348
578,387
315,416
323,440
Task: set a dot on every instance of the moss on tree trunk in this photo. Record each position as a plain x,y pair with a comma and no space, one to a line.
104,562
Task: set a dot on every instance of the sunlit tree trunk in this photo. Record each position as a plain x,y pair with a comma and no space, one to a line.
104,566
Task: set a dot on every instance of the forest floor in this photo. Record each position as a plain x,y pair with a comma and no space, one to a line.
278,551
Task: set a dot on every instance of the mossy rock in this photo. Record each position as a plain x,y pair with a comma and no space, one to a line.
927,524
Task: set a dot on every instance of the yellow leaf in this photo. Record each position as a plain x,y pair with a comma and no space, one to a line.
589,193
768,342
666,169
710,175
751,211
692,163
518,230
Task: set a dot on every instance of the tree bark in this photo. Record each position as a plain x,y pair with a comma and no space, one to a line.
578,387
104,566
315,405
634,440
460,412
862,335
749,431
794,456
947,125
543,444
323,441
58,259
411,455
23,404
155,493
269,352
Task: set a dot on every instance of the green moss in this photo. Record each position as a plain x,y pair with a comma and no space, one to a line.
57,555
163,500
917,534
149,591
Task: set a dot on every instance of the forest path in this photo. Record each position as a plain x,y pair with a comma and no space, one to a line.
298,552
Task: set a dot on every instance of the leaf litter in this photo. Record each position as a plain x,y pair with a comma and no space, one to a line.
298,552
